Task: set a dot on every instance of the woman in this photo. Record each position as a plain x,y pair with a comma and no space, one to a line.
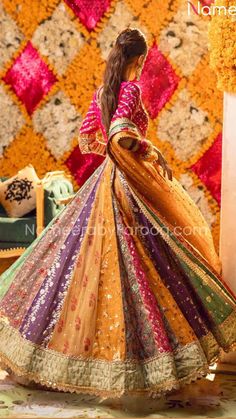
122,291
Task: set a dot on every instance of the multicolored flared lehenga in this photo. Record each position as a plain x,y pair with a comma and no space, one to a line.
121,293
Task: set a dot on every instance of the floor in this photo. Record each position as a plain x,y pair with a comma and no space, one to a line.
214,397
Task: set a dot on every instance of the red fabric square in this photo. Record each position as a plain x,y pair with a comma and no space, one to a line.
158,81
30,77
89,11
208,168
82,166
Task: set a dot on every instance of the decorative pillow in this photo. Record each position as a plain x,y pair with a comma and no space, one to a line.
18,194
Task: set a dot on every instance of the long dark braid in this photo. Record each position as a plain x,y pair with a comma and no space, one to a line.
129,44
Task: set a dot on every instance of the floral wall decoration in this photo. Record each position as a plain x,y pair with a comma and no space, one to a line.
222,35
52,57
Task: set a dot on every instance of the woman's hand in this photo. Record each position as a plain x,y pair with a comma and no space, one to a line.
163,163
146,150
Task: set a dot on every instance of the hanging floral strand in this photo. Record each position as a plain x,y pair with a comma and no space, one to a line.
222,36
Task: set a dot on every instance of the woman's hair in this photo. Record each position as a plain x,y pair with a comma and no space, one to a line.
130,43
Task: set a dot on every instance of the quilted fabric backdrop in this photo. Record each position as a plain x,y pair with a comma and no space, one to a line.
52,55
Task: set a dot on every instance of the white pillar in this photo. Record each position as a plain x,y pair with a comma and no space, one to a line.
228,206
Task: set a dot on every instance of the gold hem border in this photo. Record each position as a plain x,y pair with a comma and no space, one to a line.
194,349
154,392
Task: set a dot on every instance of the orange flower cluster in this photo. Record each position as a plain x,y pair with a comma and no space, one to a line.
222,36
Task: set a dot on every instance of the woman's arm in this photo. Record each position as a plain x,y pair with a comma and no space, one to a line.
89,141
126,132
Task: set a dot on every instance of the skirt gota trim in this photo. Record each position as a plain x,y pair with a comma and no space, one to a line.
154,376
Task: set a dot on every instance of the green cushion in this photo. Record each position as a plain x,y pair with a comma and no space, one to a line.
17,229
60,187
57,189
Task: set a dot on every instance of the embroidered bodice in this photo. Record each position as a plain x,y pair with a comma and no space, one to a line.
129,107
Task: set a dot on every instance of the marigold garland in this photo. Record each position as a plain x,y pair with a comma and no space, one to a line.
29,14
202,86
222,35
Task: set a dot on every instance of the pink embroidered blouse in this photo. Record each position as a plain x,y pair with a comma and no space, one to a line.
130,116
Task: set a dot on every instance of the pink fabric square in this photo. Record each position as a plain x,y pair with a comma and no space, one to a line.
208,168
30,77
89,11
158,81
